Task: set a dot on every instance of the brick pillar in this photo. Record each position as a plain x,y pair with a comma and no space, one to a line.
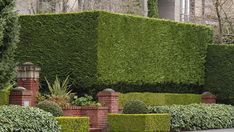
21,96
28,77
208,98
109,98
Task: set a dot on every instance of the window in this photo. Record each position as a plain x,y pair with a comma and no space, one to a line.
187,10
46,6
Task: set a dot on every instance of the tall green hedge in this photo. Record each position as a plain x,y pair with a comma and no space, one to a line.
105,49
155,99
153,8
220,72
73,124
139,122
8,38
62,45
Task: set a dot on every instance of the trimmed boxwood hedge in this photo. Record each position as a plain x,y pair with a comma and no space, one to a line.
73,124
154,99
220,72
198,116
100,49
139,122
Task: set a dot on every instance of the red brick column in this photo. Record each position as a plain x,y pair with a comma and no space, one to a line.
109,98
208,98
28,77
21,97
97,116
31,85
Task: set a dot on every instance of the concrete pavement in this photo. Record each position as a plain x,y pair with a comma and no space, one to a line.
215,130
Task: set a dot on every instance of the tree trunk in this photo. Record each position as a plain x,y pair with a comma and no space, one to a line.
217,9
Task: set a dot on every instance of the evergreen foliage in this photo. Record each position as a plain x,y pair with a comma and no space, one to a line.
127,53
153,8
8,38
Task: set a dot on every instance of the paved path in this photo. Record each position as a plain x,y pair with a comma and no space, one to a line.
215,130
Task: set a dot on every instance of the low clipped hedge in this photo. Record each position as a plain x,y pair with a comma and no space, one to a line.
198,116
219,77
139,122
29,119
154,99
73,124
100,49
4,97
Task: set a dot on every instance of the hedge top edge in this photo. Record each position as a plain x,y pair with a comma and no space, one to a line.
121,14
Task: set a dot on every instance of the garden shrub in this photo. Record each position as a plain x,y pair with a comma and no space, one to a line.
29,119
198,116
85,101
153,8
74,124
8,38
160,98
139,122
220,72
127,53
5,125
59,92
135,107
51,107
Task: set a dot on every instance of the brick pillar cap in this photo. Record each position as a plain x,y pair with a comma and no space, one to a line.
107,92
19,89
21,93
208,95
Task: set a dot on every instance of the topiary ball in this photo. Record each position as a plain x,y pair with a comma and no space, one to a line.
51,107
135,107
29,119
5,125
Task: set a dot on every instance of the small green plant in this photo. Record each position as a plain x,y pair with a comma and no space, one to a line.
135,107
4,94
40,97
59,92
51,107
85,101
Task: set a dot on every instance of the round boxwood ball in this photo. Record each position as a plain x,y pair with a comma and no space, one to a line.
51,107
135,107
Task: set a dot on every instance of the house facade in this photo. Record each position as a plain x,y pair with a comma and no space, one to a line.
138,7
198,11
